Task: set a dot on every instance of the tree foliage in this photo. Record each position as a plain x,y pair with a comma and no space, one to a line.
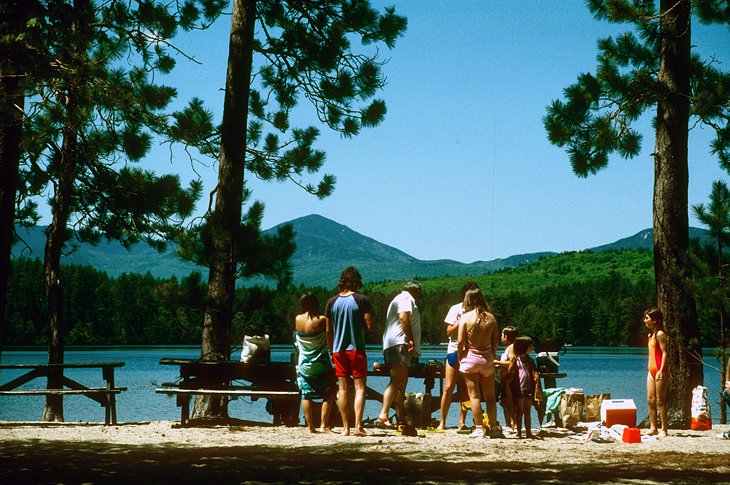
583,298
652,67
93,107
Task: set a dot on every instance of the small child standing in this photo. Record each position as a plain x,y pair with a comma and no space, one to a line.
657,380
524,382
509,334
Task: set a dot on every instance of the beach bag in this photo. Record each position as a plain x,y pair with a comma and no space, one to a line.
571,407
417,406
701,418
256,348
592,407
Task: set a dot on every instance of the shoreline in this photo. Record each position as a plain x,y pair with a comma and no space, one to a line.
160,451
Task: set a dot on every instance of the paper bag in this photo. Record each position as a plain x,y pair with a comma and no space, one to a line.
592,407
571,407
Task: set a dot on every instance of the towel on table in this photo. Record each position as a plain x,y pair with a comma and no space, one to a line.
552,397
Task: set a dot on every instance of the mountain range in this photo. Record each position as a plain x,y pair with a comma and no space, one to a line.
324,248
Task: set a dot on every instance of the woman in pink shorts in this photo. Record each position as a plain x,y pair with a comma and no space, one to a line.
477,350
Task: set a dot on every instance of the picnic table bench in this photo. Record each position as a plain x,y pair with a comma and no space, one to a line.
105,396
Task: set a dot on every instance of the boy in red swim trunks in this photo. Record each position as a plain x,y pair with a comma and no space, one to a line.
349,316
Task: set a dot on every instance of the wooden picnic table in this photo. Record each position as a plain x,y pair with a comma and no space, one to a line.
106,396
275,381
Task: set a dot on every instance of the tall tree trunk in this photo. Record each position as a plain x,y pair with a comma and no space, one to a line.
671,220
56,235
723,353
11,122
226,217
57,232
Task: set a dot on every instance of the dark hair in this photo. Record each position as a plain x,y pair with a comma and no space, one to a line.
510,332
469,285
413,287
350,279
521,345
657,317
309,304
475,299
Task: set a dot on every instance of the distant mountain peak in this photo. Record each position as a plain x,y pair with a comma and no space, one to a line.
324,248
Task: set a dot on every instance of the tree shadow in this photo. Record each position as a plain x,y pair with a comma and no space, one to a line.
35,461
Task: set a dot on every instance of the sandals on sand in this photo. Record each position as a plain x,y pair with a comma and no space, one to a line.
383,424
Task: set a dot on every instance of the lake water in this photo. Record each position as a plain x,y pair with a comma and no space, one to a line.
618,371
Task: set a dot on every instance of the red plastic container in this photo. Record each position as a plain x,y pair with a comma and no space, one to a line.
631,435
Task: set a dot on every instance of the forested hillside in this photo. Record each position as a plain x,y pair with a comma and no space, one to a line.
583,298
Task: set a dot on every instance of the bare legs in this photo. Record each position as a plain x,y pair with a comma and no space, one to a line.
452,377
523,407
344,405
656,391
359,406
307,408
473,384
489,399
472,387
395,392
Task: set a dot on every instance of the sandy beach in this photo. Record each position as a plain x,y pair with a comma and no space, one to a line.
162,452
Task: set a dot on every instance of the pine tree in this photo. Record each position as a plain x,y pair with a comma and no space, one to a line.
304,50
716,216
652,68
18,50
93,108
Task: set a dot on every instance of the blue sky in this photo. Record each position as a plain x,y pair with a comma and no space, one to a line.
461,168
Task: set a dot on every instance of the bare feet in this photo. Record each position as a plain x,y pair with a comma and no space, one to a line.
663,433
652,432
360,432
324,429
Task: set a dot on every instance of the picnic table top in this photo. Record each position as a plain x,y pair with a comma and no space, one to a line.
65,365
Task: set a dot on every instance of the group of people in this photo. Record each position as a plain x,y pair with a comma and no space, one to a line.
471,358
340,331
337,336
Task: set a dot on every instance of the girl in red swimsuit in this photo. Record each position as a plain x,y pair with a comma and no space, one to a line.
657,380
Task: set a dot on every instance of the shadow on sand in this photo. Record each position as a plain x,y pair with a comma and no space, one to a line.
33,461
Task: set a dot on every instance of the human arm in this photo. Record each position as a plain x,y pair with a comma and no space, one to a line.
452,319
369,323
727,376
461,340
329,333
495,335
661,338
405,323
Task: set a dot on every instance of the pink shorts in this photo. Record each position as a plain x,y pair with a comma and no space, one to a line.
351,363
476,363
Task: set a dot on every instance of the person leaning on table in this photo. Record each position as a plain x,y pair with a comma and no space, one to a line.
401,349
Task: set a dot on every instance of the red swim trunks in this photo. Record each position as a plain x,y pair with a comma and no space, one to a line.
351,363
